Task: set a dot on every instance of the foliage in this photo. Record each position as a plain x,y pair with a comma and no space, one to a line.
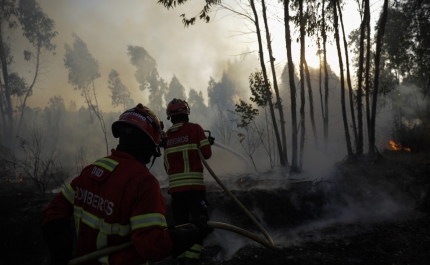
148,78
83,68
120,94
246,113
39,31
203,14
407,42
221,92
176,90
145,65
38,164
258,89
83,71
37,27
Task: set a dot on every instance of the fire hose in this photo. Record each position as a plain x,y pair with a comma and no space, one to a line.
269,243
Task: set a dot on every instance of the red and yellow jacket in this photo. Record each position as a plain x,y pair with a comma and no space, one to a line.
114,200
181,158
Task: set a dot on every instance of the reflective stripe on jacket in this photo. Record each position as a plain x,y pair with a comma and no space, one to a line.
181,158
113,200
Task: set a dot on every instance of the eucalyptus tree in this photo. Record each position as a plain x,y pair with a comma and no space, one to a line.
120,94
8,14
147,76
367,76
348,73
39,30
282,156
292,85
175,90
325,113
342,79
359,142
278,103
379,41
83,71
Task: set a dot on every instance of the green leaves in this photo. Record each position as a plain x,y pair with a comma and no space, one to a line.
203,14
27,55
258,89
120,94
83,68
145,64
246,113
37,27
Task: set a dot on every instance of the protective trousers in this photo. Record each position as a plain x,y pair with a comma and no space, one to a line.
187,205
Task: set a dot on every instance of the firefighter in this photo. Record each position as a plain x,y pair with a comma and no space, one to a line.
116,199
185,170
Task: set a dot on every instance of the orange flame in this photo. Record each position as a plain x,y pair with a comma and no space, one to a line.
398,147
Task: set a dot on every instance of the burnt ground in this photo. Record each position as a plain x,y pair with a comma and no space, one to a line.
371,212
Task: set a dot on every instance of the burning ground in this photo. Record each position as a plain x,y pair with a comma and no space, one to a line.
370,212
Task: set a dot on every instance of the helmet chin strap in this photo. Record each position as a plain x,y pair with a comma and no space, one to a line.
157,153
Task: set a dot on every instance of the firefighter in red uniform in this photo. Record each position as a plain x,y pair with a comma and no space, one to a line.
185,170
116,199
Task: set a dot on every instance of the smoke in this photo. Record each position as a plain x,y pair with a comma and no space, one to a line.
191,54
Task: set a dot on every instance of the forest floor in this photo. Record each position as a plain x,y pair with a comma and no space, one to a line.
370,212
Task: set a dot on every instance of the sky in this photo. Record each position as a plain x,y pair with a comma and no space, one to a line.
193,54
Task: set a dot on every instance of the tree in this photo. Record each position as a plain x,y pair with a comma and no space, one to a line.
248,140
148,78
291,76
196,100
83,71
359,142
54,112
278,103
259,96
120,94
39,30
381,29
221,93
325,112
348,75
342,80
282,156
176,90
7,22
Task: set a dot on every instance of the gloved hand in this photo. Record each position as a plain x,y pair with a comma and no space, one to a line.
211,140
202,224
183,237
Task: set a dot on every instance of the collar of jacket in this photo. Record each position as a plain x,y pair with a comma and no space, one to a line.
126,155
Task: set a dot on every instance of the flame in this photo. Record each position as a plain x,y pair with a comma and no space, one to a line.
398,147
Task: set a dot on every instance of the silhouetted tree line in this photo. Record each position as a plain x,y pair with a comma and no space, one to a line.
258,113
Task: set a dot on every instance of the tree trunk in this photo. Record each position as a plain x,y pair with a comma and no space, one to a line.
292,86
8,126
100,117
367,73
379,38
325,117
348,75
311,104
302,85
29,90
275,83
342,81
269,96
359,146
